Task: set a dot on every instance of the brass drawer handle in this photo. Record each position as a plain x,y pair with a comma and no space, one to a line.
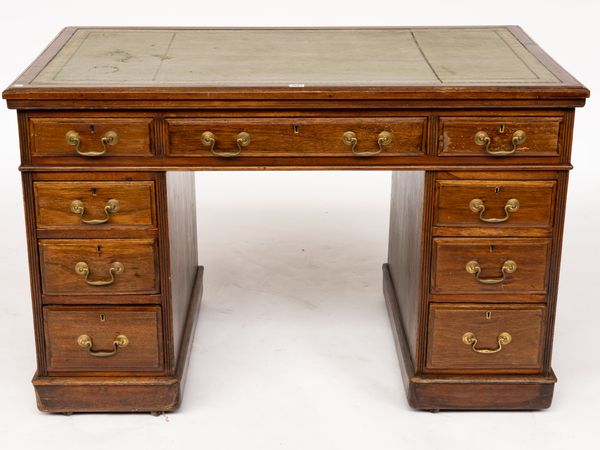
474,268
482,139
469,338
109,138
242,140
86,342
384,138
476,205
78,207
116,268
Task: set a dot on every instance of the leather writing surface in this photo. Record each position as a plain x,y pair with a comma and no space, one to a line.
297,57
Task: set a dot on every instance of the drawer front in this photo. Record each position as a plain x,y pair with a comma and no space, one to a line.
126,339
94,205
99,267
494,203
485,338
90,137
501,266
301,137
500,136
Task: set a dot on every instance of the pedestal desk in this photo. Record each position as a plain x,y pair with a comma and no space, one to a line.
475,123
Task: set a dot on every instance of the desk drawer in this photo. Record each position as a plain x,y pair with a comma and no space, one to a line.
486,338
90,137
500,136
80,339
99,267
501,265
297,137
94,205
494,203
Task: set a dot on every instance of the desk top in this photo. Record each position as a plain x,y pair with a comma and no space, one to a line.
447,61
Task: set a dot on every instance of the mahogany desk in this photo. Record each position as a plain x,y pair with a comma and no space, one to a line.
476,124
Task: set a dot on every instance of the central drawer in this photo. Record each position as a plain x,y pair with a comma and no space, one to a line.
297,137
99,267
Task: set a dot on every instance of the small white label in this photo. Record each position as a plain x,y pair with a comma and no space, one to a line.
296,85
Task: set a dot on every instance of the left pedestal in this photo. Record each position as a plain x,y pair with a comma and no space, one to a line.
116,288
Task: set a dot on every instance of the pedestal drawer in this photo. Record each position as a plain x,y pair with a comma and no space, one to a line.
494,203
495,338
490,265
90,339
99,267
94,205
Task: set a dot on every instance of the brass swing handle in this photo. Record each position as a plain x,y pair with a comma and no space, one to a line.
477,206
473,267
209,140
108,138
483,139
116,268
112,206
469,338
384,138
86,342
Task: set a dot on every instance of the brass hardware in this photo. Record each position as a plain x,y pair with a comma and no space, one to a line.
477,206
488,315
243,140
86,342
501,129
209,140
469,338
473,267
481,138
384,138
102,317
116,268
74,139
109,138
296,129
112,206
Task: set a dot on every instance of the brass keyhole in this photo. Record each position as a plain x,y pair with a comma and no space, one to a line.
92,129
296,129
488,315
93,192
102,317
497,189
501,129
492,248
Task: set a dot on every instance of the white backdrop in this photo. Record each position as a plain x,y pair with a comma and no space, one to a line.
293,348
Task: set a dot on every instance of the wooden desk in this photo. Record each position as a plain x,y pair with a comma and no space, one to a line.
476,124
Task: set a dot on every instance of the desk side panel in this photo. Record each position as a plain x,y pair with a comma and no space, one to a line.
183,254
405,249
